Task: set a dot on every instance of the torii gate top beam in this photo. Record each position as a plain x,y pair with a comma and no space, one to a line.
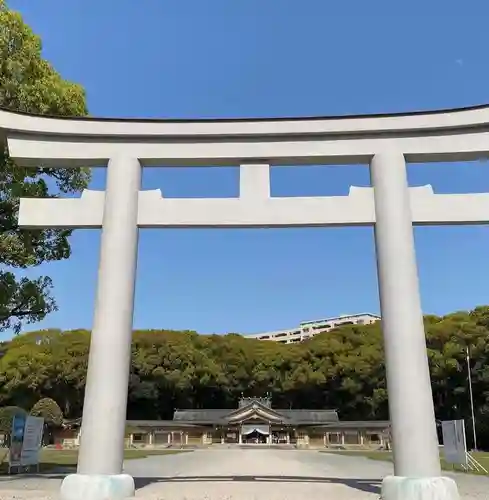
444,135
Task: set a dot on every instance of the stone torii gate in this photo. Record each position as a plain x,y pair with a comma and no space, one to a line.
384,142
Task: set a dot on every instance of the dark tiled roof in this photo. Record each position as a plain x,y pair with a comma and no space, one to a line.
201,416
157,423
222,415
310,416
360,424
259,408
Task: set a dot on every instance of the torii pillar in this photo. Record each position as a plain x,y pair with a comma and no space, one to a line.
104,410
416,455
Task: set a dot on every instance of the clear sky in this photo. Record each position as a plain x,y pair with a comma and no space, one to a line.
235,58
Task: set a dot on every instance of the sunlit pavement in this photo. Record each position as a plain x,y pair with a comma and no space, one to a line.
269,474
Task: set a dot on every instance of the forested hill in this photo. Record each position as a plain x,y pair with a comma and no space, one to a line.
342,369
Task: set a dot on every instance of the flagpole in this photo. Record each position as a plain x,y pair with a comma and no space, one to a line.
471,398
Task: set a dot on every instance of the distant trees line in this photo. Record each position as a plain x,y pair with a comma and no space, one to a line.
342,369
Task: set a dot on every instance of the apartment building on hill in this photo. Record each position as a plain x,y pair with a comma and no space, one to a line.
308,329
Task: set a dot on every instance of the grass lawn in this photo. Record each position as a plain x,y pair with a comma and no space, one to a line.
51,459
386,456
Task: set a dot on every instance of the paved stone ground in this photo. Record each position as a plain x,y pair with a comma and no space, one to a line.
236,474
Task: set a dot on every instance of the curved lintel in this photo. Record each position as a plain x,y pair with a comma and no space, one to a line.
453,135
467,118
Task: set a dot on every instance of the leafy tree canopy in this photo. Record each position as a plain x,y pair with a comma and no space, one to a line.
7,414
48,409
28,83
341,369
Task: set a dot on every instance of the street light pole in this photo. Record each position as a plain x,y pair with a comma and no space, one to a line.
471,398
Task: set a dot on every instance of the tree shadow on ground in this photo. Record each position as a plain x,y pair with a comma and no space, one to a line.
365,485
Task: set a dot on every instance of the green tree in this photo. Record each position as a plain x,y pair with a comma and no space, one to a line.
29,84
7,414
342,369
48,409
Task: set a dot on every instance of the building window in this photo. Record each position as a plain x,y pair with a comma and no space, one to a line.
374,438
334,438
352,437
138,438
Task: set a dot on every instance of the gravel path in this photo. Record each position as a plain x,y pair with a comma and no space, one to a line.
225,474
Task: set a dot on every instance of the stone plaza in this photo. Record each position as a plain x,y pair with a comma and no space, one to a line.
383,143
246,474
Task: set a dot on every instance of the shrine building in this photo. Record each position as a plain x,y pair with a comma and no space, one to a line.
254,422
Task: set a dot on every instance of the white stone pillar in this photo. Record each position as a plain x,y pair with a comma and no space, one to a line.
104,411
415,442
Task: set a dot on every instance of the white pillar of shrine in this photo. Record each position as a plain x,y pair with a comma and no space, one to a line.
99,474
415,442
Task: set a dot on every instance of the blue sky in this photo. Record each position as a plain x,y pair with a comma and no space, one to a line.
223,58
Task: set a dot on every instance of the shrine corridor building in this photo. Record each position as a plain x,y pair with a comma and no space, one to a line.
254,422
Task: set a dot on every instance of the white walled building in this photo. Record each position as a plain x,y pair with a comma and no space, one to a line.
308,329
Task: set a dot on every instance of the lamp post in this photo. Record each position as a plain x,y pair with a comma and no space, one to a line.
471,395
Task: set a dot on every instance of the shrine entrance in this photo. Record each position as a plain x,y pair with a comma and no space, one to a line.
255,434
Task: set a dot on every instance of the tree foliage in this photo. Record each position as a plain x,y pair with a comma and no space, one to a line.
28,83
49,410
7,414
342,369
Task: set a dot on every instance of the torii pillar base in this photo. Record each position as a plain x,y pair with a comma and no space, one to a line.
97,487
422,488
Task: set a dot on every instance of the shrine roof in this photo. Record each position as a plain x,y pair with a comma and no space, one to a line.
222,416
